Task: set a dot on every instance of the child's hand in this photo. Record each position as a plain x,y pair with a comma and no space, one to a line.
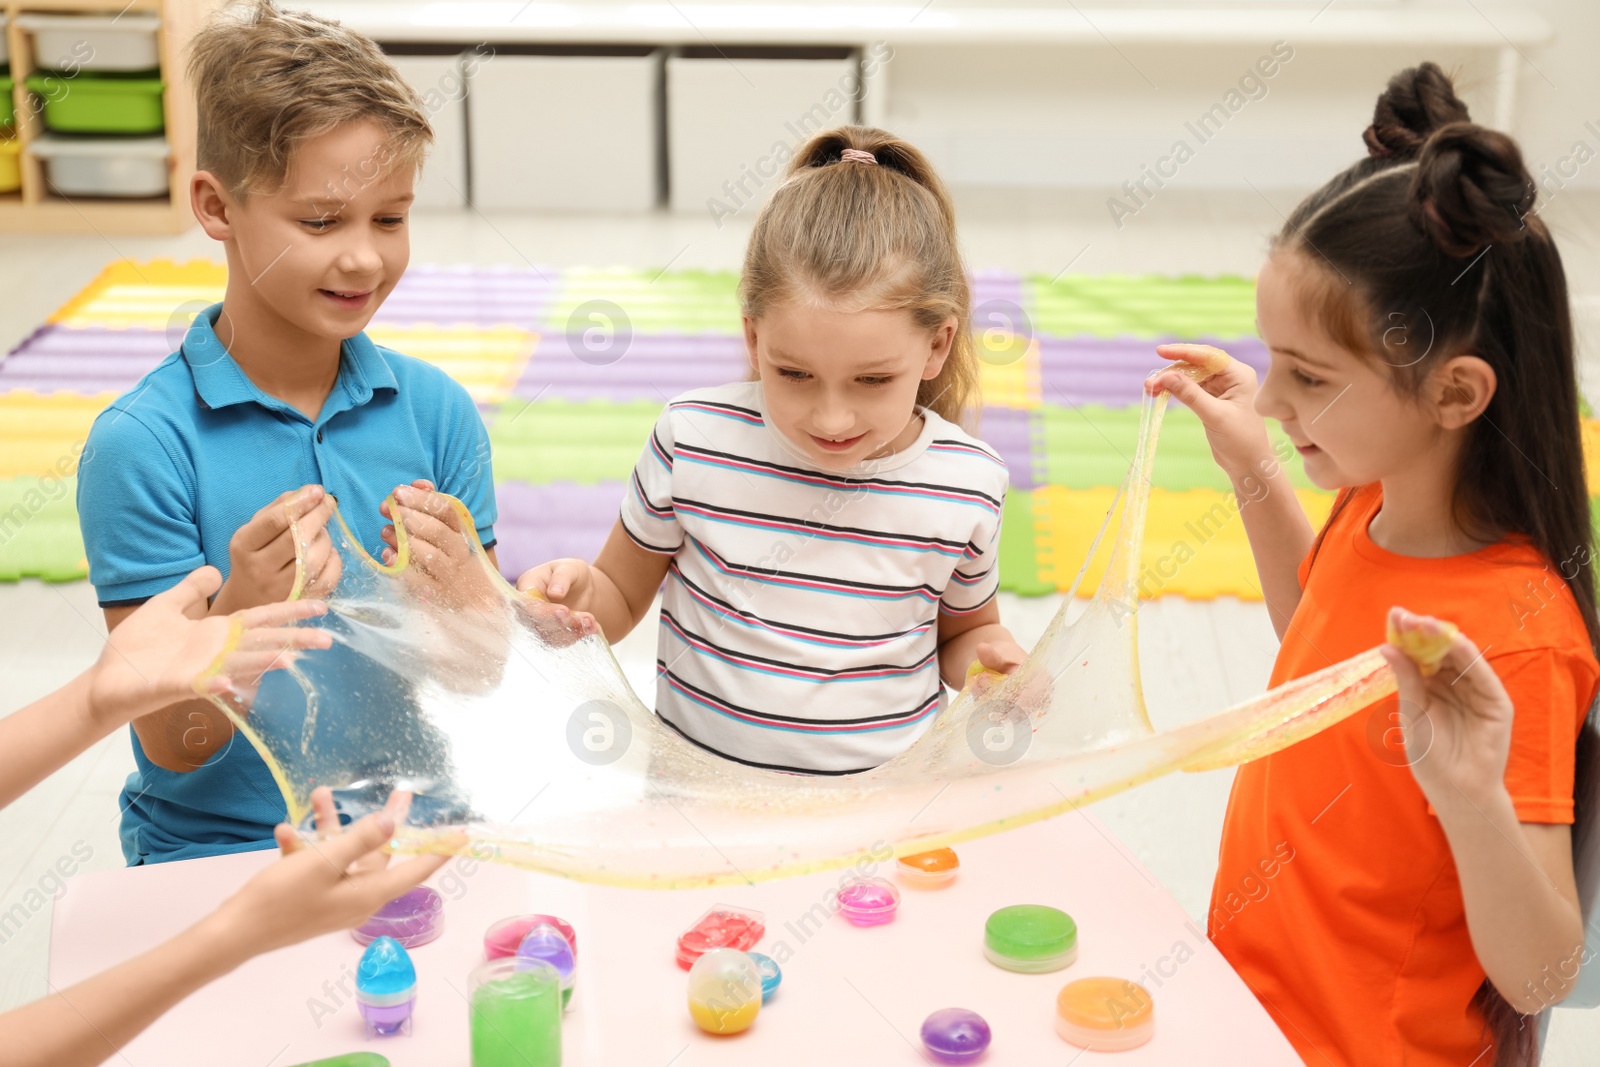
318,887
261,553
995,660
1457,723
558,595
1225,403
441,558
151,660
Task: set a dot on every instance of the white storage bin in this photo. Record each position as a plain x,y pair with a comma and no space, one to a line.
726,118
565,133
441,82
127,167
94,42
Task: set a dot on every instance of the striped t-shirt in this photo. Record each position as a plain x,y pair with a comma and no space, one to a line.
799,622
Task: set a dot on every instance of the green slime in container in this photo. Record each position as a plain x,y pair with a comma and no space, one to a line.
516,1020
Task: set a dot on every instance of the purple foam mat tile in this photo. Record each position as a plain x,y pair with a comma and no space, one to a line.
1111,371
1009,431
648,366
996,293
479,296
539,523
84,360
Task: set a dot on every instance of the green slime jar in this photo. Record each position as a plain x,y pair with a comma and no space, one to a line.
516,1014
1030,938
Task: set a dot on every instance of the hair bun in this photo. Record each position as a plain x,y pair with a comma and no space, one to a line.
1471,189
1417,101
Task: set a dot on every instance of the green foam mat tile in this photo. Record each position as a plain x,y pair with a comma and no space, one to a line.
1149,306
581,441
647,301
1019,554
39,535
1089,446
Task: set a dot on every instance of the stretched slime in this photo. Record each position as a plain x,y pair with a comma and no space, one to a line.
524,743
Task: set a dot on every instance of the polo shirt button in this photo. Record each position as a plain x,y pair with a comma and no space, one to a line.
319,437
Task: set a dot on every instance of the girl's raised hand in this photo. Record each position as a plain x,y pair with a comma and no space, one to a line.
1225,403
1457,722
153,657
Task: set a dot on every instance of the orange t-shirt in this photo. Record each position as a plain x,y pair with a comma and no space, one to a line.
1336,897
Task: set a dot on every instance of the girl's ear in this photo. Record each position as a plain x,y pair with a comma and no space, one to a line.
1462,388
942,340
211,205
750,346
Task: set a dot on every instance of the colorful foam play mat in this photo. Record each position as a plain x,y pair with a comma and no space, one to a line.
570,368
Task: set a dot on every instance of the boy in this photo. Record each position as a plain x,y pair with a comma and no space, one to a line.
308,147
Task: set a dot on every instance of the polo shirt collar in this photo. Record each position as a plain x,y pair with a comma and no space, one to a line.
220,382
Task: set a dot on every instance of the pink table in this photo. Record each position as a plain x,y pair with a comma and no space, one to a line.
849,995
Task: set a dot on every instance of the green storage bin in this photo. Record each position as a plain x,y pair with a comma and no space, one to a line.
99,103
8,102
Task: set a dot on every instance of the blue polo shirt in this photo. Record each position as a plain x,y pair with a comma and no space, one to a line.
181,461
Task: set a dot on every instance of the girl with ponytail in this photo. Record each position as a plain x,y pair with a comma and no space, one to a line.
1416,312
828,520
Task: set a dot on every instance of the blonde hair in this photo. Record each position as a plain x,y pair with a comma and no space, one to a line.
873,237
266,80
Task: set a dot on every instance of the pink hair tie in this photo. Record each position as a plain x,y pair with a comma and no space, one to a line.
856,155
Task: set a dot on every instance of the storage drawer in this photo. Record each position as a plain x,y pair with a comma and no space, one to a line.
99,103
94,42
129,167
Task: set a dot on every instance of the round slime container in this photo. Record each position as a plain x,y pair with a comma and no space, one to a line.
1030,938
868,901
413,919
724,991
515,1011
545,944
928,870
1106,1014
386,988
771,975
955,1035
505,937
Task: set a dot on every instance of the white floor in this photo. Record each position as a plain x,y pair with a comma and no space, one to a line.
1197,657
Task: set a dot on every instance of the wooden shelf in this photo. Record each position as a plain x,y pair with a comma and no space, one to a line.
38,209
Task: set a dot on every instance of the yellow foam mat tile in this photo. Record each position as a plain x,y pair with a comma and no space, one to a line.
1008,371
488,360
145,294
1194,543
43,435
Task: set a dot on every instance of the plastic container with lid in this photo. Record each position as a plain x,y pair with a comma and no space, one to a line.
386,988
724,991
67,42
928,870
1105,1014
868,901
505,937
515,1014
771,974
413,918
955,1035
1030,939
724,926
545,944
99,103
126,167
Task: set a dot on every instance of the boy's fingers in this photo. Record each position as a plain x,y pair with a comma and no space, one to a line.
326,811
191,596
288,840
399,878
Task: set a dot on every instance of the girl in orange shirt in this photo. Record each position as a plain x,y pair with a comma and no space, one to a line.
1399,889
